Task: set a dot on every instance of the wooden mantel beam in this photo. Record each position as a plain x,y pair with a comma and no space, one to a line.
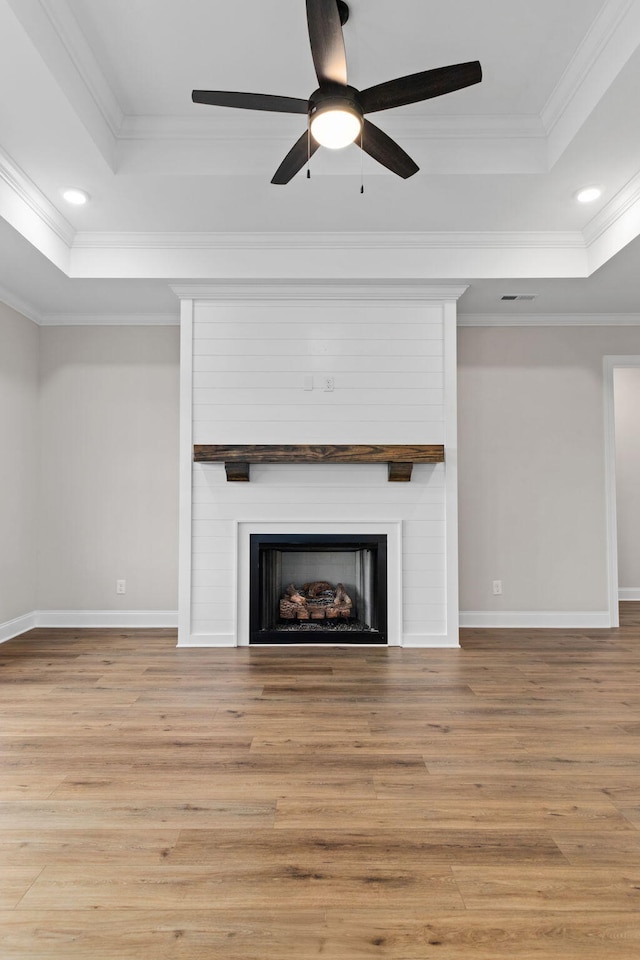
399,457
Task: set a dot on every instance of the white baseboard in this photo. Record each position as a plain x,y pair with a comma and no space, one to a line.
629,593
537,619
13,628
130,619
210,640
433,641
124,619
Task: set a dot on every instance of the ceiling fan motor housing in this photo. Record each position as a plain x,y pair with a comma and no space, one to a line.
335,97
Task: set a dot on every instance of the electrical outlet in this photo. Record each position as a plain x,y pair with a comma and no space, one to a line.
329,383
121,586
497,588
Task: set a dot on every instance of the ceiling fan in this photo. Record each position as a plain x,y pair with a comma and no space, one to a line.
336,111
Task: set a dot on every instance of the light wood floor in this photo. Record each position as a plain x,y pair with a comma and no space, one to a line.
274,803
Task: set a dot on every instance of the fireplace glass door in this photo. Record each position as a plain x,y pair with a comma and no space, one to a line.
318,588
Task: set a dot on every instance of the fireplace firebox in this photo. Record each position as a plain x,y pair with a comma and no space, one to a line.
318,588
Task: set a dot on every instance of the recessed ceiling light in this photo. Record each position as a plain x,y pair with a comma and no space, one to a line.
588,194
75,196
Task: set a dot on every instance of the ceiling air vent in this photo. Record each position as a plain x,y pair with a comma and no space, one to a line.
519,296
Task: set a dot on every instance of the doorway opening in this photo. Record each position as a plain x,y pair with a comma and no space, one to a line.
622,472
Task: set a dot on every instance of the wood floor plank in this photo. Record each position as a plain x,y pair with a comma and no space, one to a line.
335,934
105,815
174,933
527,887
458,787
408,849
62,846
482,935
233,886
321,746
254,786
600,848
519,814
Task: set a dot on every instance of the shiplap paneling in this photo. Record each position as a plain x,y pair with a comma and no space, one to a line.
344,327
212,363
291,349
293,380
251,364
304,431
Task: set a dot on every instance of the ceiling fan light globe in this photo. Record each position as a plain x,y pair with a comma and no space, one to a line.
335,128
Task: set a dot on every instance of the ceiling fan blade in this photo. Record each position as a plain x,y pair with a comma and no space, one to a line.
250,101
295,160
420,86
327,41
386,151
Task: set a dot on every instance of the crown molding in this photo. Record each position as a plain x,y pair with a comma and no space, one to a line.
224,144
81,56
446,256
302,290
549,320
497,240
28,193
9,298
274,127
110,320
616,225
613,36
28,310
612,212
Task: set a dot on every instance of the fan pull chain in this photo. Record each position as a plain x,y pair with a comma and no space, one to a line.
308,152
361,159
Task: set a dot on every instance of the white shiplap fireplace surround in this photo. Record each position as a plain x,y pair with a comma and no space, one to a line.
255,357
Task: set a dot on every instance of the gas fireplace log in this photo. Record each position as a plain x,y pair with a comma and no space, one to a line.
294,594
317,600
293,605
317,587
342,597
288,610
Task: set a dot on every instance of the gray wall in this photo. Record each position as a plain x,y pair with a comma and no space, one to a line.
108,489
18,463
531,465
627,416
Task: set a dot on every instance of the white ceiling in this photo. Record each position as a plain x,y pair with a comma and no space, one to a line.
97,95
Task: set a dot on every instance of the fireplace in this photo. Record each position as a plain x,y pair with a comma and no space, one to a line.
318,588
255,360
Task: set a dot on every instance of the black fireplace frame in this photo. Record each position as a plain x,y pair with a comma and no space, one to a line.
376,542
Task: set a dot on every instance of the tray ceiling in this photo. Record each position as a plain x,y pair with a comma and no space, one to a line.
100,98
